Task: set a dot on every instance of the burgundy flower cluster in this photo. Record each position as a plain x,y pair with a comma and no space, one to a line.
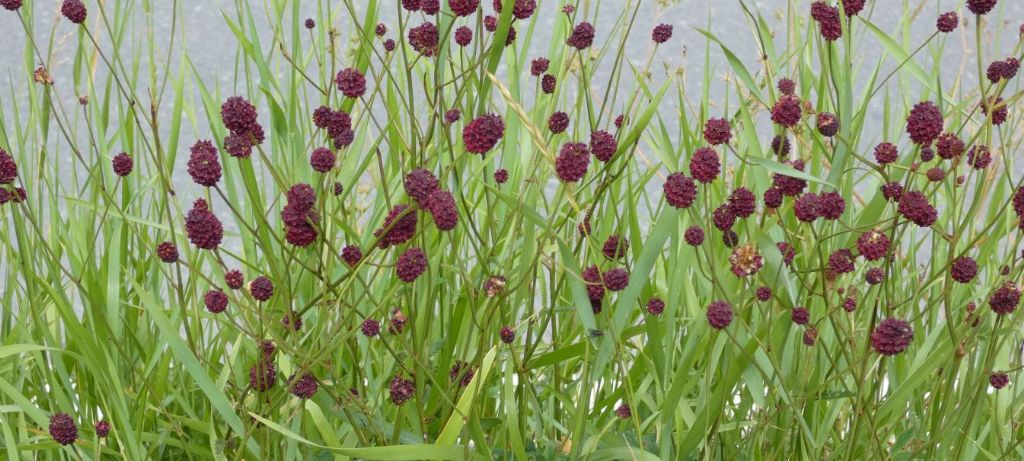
203,227
299,215
239,117
337,123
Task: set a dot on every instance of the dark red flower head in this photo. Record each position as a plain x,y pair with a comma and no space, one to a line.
615,247
829,20
680,190
874,275
572,162
75,11
547,83
1005,299
411,264
558,122
483,133
603,145
1018,202
238,114
998,380
419,184
892,336
261,288
772,197
661,33
828,124
411,5
742,202
873,245
11,5
781,146
655,306
234,279
399,226
463,36
204,164
915,207
102,428
980,7
202,226
717,131
500,176
322,116
262,376
538,66
787,111
947,22
582,36
298,215
705,165
719,314
763,293
806,208
1000,70
401,390
892,191
463,7
831,205
351,254
216,301
424,38
63,428
886,153
786,86
507,334
723,217
694,235
810,336
303,387
730,238
800,315
8,168
595,284
522,9
853,7
168,252
370,328
924,124
441,205
963,269
1000,111
430,7
616,279
927,153
322,159
462,373
351,82
122,164
490,23
850,303
841,261
949,146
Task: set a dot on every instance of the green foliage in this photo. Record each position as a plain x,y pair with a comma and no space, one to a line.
94,324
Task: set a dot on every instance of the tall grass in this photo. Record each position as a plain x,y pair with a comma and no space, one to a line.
95,325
